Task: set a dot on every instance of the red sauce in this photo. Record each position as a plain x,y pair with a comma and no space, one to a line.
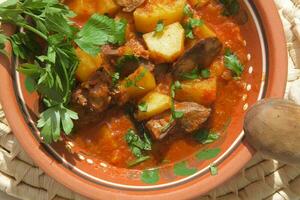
105,141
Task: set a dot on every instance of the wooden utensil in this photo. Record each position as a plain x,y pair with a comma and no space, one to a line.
273,128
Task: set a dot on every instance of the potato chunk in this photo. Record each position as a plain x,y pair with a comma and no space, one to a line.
106,7
89,7
169,11
155,103
87,65
203,91
168,45
138,83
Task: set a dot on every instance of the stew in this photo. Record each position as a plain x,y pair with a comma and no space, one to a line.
146,82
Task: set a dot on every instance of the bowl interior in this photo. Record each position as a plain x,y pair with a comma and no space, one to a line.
170,174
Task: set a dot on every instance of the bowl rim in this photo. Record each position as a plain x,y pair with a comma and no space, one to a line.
233,163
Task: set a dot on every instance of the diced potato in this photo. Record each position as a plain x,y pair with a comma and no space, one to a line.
156,103
169,11
106,7
167,46
87,65
203,91
198,3
204,32
89,7
138,83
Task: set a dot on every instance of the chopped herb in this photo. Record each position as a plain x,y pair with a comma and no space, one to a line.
208,154
213,170
195,74
205,73
175,114
143,107
188,27
134,83
159,27
138,145
138,161
181,169
124,60
232,62
115,78
187,11
206,137
231,7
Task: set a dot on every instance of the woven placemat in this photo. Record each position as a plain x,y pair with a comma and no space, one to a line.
261,178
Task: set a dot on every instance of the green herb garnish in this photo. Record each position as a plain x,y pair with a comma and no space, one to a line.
159,27
143,107
100,30
213,170
51,71
196,74
188,27
134,83
187,11
138,161
115,78
206,137
232,62
231,7
138,146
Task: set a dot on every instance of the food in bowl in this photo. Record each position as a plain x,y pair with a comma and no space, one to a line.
136,84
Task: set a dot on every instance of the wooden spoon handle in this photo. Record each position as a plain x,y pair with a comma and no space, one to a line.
273,128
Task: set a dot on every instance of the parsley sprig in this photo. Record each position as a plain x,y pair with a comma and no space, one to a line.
138,146
191,22
232,62
195,74
175,114
51,67
159,27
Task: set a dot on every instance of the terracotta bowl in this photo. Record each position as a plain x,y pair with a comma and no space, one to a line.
265,75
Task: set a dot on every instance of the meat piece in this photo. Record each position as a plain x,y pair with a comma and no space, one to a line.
94,93
160,125
194,115
129,5
135,47
200,55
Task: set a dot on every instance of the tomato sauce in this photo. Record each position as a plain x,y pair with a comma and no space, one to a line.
105,141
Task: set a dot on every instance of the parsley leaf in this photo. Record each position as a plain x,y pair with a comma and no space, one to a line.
231,7
195,74
159,27
187,11
134,83
100,30
52,119
206,137
213,170
143,107
188,27
138,161
115,78
137,146
205,73
232,62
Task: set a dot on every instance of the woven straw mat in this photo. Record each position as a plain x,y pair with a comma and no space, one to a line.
261,178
